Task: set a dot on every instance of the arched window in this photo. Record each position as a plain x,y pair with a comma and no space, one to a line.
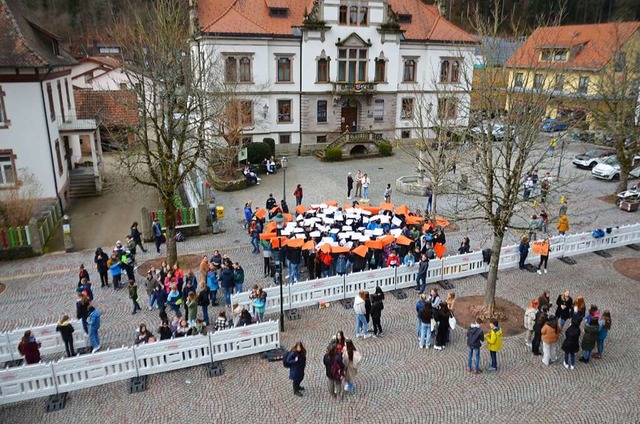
444,71
363,15
284,69
343,15
231,69
409,74
245,69
353,15
455,71
323,70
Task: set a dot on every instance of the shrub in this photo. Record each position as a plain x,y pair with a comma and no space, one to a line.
385,149
257,152
333,154
272,144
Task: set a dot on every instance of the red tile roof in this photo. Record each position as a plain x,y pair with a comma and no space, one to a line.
593,46
109,62
116,108
22,39
252,17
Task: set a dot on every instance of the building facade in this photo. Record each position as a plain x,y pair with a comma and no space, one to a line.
40,134
312,70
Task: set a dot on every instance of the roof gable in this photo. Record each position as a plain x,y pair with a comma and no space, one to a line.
353,40
590,47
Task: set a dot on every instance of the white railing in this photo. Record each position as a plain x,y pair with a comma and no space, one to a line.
80,372
49,338
448,268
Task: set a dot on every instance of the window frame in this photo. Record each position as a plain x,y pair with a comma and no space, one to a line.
59,86
358,62
322,118
66,87
52,108
558,84
7,156
242,65
59,157
4,121
378,117
282,136
518,80
325,62
447,109
406,114
230,75
288,68
409,68
444,70
583,88
380,67
281,103
538,81
343,15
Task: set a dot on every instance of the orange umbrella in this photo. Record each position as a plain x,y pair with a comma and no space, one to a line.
440,221
288,216
295,242
413,220
331,203
439,249
386,239
308,245
267,236
361,250
261,213
404,240
402,210
270,227
386,206
300,209
427,225
326,248
274,209
374,244
278,242
373,209
340,249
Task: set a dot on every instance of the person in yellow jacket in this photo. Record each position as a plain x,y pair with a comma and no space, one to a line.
494,343
563,224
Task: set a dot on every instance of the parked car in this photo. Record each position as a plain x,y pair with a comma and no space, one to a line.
630,195
552,125
609,169
591,158
497,131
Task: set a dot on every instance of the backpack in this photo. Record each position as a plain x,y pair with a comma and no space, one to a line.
431,254
598,233
285,361
180,237
337,370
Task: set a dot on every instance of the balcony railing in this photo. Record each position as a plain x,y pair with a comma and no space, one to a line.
354,87
73,123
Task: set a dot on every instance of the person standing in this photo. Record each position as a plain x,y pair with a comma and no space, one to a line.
387,193
565,308
351,358
603,333
133,295
359,308
82,274
425,318
366,182
429,195
334,368
204,267
494,343
296,361
29,348
571,344
203,302
298,194
589,340
550,331
421,276
358,184
523,249
157,233
227,283
136,236
238,277
260,304
563,224
474,341
349,185
377,306
100,259
248,214
192,308
65,329
255,235
544,256
530,320
150,286
94,328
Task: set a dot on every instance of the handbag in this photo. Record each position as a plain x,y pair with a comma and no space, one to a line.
452,322
433,324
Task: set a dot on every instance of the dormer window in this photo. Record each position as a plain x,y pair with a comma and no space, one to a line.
278,12
56,47
404,18
353,14
552,55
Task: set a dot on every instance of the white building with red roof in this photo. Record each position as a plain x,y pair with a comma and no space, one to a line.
312,70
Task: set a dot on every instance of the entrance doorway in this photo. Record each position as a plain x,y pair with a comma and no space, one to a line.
349,116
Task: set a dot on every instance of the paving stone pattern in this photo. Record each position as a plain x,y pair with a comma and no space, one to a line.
397,382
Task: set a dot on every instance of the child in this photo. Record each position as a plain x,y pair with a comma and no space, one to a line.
494,343
387,193
474,341
66,331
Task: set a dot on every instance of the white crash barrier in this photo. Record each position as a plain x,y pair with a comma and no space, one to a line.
172,354
26,382
94,369
49,339
463,265
368,280
273,299
247,340
313,291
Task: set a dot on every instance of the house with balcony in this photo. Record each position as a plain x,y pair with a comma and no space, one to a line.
40,133
316,71
574,69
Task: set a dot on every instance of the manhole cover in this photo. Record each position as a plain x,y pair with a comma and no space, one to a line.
380,168
236,241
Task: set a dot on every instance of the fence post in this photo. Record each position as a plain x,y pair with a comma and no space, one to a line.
36,242
145,225
395,278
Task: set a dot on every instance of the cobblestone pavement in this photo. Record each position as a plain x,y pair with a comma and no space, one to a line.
397,381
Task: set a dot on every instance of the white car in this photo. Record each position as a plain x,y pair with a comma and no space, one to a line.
590,159
497,131
609,169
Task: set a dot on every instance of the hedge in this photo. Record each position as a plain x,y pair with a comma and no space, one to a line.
258,152
385,149
333,154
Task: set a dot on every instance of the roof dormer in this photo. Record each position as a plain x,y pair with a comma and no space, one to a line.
278,12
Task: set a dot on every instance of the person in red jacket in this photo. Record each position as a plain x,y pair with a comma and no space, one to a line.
298,195
393,260
29,348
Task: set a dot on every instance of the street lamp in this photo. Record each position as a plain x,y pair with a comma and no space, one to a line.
279,219
284,162
560,162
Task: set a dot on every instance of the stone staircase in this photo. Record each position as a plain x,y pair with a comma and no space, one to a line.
82,183
360,137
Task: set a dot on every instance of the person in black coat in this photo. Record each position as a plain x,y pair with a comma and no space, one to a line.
376,310
565,308
541,318
296,361
329,358
441,315
367,307
100,259
571,344
136,235
65,328
82,273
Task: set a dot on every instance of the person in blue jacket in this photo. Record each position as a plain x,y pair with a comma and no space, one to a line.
212,283
116,271
94,326
296,361
227,283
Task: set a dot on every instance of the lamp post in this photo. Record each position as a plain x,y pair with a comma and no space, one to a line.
560,161
284,162
279,219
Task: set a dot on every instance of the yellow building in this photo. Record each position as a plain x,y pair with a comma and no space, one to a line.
571,72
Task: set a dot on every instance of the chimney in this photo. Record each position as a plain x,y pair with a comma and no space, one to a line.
441,7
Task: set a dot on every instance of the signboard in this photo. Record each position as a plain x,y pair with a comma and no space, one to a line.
242,154
66,228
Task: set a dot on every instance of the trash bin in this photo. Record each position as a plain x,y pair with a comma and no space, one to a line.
220,212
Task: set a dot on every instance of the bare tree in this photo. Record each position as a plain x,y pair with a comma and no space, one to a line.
614,95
